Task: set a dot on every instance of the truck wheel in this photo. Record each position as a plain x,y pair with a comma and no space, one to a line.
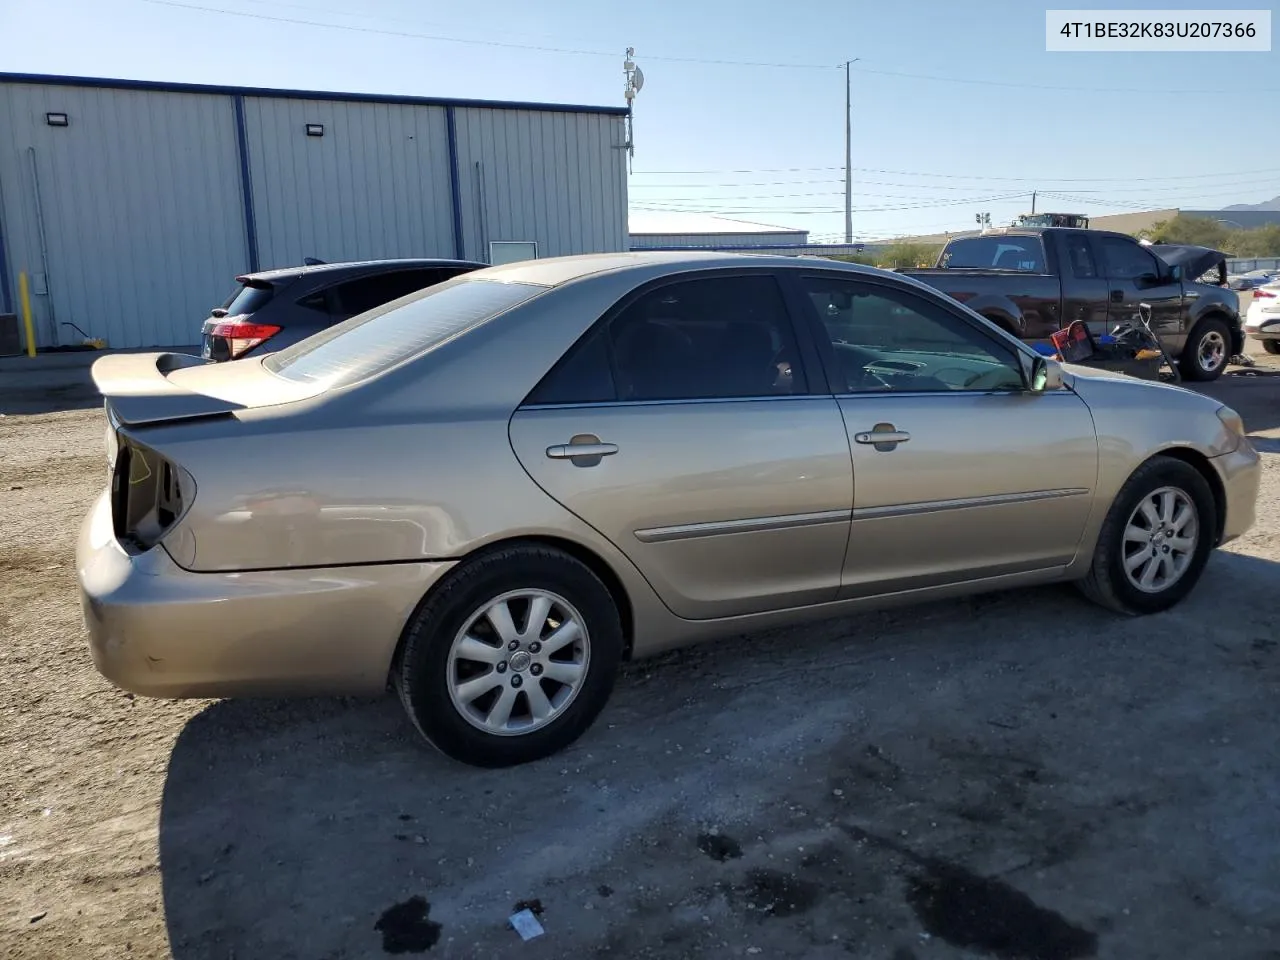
1207,351
1271,346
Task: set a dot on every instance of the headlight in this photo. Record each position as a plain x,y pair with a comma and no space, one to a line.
1231,420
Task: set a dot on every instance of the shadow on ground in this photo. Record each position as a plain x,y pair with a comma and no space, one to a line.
17,399
1017,775
1253,392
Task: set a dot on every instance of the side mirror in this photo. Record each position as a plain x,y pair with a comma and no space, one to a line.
1044,374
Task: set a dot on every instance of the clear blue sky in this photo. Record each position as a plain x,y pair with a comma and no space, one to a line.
761,143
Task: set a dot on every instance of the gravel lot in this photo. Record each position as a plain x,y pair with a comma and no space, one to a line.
1015,776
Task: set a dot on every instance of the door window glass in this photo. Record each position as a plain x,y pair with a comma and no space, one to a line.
722,337
892,340
357,296
318,301
1081,257
582,375
1125,259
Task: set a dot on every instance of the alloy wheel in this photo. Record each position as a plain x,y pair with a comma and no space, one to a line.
1160,539
518,662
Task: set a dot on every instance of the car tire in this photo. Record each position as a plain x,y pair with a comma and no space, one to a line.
1121,558
1271,346
452,649
1208,351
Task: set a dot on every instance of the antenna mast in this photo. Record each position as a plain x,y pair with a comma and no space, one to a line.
635,81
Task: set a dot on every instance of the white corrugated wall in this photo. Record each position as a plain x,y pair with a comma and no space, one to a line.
146,227
558,179
374,186
140,201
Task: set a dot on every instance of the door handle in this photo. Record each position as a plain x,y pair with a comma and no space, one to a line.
572,451
584,450
886,436
1117,296
883,436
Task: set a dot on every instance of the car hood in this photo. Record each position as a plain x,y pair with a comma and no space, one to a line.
1124,407
1194,260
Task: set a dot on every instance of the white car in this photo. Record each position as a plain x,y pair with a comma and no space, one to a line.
1262,322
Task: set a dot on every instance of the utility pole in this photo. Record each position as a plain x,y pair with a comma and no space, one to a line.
1033,202
848,153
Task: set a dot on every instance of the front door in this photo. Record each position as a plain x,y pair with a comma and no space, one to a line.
960,474
682,428
1131,272
1085,291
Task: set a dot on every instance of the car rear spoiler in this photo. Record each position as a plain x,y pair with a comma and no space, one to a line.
138,390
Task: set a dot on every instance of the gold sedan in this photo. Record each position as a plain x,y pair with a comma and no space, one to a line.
489,493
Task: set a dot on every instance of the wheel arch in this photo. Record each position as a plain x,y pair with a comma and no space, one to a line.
1200,463
1217,312
583,554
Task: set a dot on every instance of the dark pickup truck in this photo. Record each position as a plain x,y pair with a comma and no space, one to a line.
1035,281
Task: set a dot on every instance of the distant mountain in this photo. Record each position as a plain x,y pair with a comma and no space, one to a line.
1272,205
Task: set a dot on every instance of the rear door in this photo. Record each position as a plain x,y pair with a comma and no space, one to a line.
1131,273
960,474
709,451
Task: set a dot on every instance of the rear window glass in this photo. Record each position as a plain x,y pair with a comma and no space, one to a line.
374,342
1021,254
247,299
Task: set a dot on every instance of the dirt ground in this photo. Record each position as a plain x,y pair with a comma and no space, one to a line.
1015,776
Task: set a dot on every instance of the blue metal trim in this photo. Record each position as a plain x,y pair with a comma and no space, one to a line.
455,188
103,82
246,185
6,294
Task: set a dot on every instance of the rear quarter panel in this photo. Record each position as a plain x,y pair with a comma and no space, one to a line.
1030,304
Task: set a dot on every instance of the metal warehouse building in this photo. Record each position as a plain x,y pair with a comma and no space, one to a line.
132,205
679,230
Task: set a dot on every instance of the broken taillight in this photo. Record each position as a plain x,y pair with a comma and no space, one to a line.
149,495
243,337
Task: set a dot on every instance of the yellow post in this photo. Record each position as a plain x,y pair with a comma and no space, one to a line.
25,296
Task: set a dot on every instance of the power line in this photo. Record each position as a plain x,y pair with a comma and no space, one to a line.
911,206
962,176
1044,86
440,38
916,196
698,60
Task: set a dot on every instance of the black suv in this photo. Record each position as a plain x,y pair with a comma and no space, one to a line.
273,309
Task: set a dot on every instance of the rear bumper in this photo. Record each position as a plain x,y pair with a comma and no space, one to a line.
159,630
1241,475
1263,327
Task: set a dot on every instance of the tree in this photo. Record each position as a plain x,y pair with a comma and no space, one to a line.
1200,231
907,255
1258,242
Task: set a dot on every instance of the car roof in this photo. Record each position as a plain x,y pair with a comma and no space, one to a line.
351,268
554,271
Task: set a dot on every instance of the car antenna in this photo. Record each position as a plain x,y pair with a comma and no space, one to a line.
311,262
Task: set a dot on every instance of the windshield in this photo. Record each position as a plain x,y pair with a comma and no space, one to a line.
1020,254
372,343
